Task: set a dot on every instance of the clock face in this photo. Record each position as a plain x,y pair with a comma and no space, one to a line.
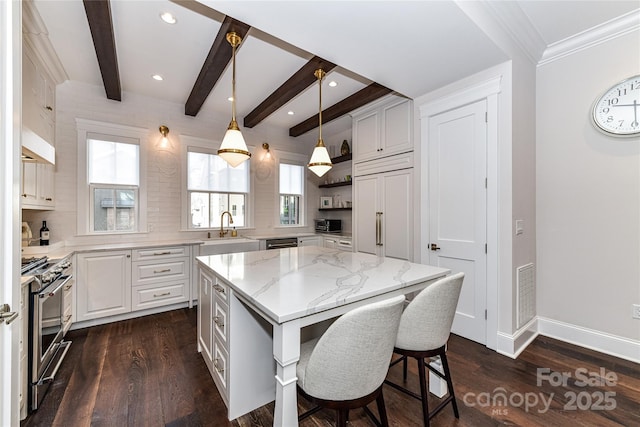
617,112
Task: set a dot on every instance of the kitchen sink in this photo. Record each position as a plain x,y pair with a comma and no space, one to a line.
227,245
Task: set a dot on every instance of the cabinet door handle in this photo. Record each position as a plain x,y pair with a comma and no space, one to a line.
378,228
215,365
164,270
216,320
48,107
164,294
66,288
66,319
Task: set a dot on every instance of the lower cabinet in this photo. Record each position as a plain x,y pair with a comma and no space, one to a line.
236,345
118,282
104,284
310,241
338,242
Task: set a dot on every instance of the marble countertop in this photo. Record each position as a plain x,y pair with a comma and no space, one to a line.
291,283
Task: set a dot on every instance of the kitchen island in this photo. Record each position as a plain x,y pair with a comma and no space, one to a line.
253,306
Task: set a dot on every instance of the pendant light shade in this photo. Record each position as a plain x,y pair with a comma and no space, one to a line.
233,148
320,162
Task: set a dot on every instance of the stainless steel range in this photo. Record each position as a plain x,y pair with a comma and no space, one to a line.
47,347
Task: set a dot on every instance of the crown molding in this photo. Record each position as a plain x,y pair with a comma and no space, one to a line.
518,27
601,33
36,37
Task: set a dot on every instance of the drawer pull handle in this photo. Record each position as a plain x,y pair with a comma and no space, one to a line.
48,107
66,288
215,365
66,319
162,253
164,294
216,320
219,288
165,270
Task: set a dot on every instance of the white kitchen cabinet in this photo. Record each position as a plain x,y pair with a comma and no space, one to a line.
38,190
221,317
67,304
23,320
103,284
310,241
338,242
382,129
38,97
383,214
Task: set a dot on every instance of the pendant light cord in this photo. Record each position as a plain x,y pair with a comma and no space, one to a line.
233,82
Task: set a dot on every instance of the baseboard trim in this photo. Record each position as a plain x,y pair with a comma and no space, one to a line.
602,342
512,345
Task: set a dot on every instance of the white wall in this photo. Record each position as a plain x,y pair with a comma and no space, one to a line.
588,195
79,100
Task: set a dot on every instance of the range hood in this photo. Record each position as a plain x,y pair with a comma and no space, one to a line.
36,149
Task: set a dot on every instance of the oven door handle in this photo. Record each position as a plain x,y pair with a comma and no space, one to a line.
46,292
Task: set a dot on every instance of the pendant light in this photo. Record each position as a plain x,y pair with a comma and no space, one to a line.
320,162
233,148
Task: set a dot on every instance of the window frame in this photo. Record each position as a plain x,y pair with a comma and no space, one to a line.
208,146
297,160
91,129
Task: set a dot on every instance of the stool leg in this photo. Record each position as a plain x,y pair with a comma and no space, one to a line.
404,368
424,390
447,374
343,417
382,411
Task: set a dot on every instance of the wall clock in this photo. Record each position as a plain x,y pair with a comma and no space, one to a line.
617,111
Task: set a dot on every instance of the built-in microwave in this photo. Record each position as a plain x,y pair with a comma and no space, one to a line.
328,225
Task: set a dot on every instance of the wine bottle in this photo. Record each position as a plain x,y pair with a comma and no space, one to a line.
44,234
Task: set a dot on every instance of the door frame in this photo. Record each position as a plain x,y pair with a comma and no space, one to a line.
10,125
488,89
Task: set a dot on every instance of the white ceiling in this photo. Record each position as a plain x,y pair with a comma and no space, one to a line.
412,47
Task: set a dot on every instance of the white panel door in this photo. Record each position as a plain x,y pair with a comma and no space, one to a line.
457,148
366,204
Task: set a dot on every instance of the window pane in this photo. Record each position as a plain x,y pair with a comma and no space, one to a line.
291,179
289,210
114,209
206,209
209,172
113,162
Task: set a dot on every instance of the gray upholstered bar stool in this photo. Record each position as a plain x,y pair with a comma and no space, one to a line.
423,333
345,368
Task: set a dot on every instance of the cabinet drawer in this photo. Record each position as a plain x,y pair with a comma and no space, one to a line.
160,253
220,367
151,271
345,245
220,320
149,296
67,319
221,290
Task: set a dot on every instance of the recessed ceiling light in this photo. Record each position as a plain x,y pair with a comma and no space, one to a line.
291,113
168,18
333,83
157,77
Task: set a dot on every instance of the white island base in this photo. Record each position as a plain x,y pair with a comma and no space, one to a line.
253,306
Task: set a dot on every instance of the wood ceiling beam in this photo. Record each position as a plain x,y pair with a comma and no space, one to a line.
350,103
101,26
214,65
297,83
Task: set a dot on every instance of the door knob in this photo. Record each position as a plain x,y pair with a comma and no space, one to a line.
434,247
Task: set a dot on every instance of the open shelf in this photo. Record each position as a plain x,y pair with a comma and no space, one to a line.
341,159
336,184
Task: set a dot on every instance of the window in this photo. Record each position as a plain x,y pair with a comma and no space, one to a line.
111,178
291,180
214,187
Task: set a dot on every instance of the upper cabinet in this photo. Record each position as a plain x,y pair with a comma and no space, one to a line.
38,98
38,190
382,129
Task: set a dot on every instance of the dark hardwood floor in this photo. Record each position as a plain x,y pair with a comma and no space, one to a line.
147,372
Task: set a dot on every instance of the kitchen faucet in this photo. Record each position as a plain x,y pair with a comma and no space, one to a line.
222,230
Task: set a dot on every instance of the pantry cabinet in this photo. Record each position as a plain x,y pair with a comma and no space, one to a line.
38,97
382,129
383,213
